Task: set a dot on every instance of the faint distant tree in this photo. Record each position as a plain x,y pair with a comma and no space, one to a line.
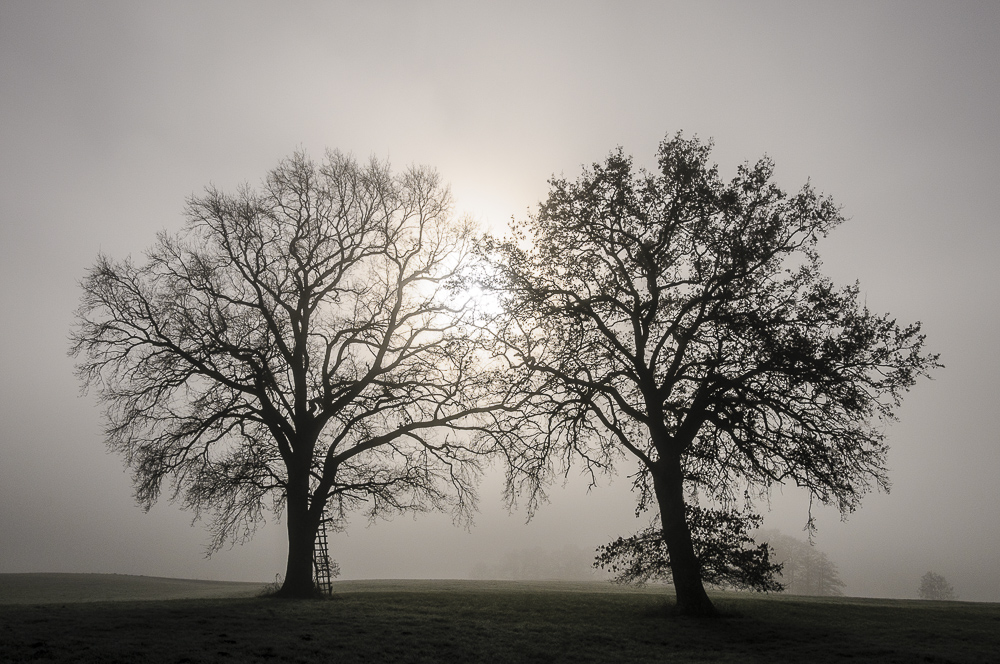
683,322
301,347
805,570
936,587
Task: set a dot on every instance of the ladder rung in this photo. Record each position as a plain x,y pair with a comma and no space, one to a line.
322,568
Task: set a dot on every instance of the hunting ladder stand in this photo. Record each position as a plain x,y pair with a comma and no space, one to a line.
323,568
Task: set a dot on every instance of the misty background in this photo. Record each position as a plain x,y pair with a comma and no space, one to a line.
112,113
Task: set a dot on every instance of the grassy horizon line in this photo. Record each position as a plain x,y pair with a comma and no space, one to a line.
408,620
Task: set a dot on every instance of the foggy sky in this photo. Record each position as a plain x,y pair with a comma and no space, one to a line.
111,114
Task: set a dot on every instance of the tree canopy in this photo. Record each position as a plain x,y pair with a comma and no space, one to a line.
805,570
303,347
683,322
935,587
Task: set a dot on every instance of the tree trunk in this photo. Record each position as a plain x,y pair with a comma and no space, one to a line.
668,483
301,539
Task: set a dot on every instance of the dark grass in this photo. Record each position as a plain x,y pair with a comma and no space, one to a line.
48,588
456,621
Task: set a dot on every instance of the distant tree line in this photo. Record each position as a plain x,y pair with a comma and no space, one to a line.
537,564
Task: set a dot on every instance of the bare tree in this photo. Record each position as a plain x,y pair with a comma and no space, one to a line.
683,322
300,348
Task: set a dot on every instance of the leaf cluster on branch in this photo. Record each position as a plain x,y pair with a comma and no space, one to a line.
728,556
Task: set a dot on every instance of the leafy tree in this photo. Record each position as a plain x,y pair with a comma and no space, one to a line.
683,322
936,587
805,570
300,348
727,555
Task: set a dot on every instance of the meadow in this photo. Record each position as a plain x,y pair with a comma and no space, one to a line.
110,618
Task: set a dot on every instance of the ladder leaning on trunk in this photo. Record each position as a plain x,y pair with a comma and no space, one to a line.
324,569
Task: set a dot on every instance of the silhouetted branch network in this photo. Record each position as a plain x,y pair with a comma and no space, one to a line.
683,322
306,347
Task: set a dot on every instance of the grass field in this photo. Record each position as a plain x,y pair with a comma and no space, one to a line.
64,588
477,621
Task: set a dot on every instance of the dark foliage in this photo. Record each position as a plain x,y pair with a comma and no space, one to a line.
727,555
683,321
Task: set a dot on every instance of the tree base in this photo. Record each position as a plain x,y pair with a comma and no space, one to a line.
287,591
704,610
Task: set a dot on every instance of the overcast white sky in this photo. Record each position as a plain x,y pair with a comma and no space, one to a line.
112,113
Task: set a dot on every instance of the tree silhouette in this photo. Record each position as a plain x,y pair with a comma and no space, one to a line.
936,587
683,322
300,348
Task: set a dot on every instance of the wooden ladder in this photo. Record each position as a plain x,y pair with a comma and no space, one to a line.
323,568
